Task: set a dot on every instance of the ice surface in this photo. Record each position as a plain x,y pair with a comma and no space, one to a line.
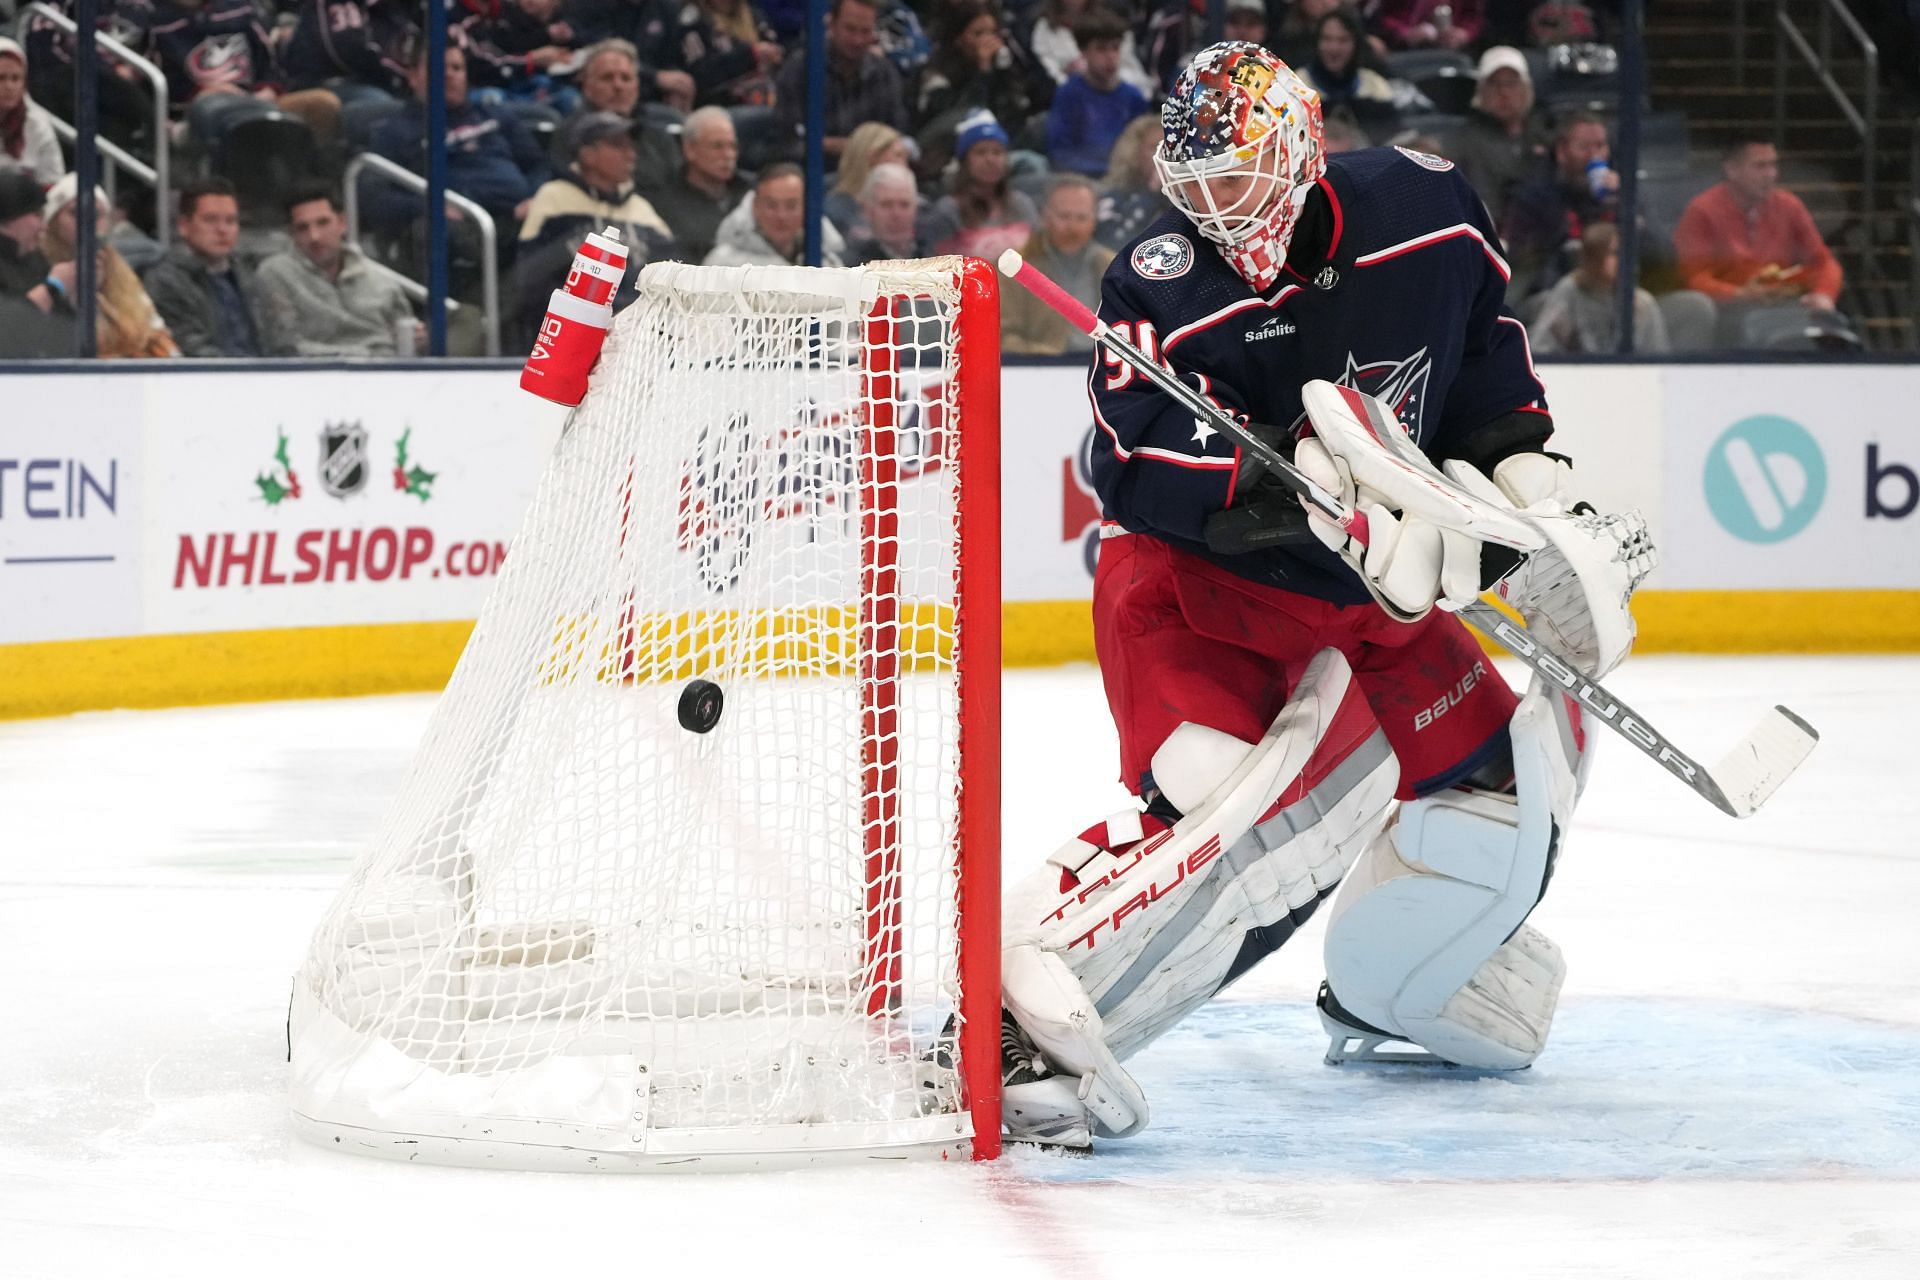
1732,1089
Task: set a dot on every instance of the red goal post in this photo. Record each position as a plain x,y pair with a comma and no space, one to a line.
596,932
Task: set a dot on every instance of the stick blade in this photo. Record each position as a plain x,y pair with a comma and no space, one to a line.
1764,759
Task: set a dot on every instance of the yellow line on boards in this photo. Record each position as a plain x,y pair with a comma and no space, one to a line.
58,677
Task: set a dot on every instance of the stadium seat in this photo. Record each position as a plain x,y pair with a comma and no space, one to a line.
1416,64
758,130
359,119
264,156
1450,89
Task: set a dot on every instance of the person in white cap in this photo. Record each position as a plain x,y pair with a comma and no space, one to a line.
1504,138
127,324
27,139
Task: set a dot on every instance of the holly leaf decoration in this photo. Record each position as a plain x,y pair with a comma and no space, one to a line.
420,482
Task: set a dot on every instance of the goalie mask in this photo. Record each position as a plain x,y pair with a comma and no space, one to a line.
1243,146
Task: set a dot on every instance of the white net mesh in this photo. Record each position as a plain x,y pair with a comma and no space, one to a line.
589,926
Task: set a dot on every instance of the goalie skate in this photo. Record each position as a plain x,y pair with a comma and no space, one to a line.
1038,1105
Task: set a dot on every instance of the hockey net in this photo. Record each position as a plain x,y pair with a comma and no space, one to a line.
597,931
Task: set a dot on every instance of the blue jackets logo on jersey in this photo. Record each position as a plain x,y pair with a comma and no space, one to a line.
1425,160
1163,257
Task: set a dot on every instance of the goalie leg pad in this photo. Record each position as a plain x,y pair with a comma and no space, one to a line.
1427,942
1109,944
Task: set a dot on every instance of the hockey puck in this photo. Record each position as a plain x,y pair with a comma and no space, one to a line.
700,705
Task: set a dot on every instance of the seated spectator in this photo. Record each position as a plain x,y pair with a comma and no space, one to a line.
903,40
1130,197
861,84
209,50
1582,313
1427,24
597,187
126,323
1173,31
645,29
1059,54
973,69
1748,242
889,218
611,74
204,293
769,227
1342,134
1298,30
36,320
513,44
1064,250
126,108
1094,106
729,50
1338,70
1547,214
1561,22
354,47
1503,140
27,139
1246,21
706,187
323,297
982,216
609,78
492,158
871,144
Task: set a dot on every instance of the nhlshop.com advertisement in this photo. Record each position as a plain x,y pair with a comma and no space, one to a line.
153,503
377,497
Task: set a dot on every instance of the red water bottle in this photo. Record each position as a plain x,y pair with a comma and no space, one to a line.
576,323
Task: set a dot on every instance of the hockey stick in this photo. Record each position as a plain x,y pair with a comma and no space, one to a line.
1738,785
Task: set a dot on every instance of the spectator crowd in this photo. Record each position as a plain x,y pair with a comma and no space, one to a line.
956,126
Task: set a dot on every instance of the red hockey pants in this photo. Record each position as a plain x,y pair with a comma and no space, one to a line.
1180,639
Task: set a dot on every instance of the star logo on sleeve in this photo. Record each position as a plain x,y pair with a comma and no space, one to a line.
1202,433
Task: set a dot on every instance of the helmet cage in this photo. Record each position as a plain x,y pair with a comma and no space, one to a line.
1270,196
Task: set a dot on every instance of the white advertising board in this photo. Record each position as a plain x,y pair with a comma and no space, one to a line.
1049,515
1607,418
1791,478
293,500
70,468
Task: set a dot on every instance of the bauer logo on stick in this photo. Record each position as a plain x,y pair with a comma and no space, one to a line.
1163,257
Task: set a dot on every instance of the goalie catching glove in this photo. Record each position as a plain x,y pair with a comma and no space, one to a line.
1574,592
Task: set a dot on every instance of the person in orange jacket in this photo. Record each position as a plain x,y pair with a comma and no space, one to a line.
1747,240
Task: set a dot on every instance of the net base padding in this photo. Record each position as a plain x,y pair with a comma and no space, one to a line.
368,1098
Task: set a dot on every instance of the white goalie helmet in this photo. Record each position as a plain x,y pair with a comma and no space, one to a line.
1243,145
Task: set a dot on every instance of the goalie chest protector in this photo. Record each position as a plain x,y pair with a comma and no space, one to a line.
1395,284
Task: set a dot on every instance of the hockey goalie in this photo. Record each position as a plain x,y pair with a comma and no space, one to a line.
1298,714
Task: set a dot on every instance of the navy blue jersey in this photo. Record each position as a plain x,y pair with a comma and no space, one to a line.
219,45
1395,284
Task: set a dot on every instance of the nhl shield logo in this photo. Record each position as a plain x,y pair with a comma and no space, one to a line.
1163,257
343,458
1327,278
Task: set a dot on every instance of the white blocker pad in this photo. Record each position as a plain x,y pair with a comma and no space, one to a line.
1427,942
1108,945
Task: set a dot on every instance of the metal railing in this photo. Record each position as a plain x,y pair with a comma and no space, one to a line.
1739,44
489,239
159,175
1913,233
1865,118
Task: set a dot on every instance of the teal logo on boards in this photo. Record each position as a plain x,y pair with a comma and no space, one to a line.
1765,479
